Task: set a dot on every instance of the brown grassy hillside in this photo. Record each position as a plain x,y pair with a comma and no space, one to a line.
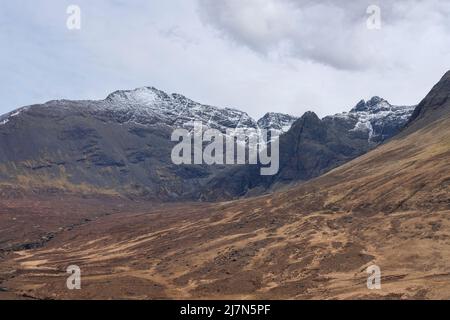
390,208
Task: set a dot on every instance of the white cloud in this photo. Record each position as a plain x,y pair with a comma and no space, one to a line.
334,33
259,56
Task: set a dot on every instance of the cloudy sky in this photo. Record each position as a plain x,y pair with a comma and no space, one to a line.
256,55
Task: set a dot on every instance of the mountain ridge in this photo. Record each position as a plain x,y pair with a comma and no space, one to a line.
435,105
122,145
388,208
314,146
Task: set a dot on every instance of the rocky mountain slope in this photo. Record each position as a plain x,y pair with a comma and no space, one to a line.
435,106
389,208
121,145
314,146
376,119
276,121
149,106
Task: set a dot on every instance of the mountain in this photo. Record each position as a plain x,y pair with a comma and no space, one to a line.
142,105
120,145
276,121
388,208
434,106
314,146
377,119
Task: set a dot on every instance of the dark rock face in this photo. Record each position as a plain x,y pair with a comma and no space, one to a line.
314,146
92,147
376,119
434,106
121,145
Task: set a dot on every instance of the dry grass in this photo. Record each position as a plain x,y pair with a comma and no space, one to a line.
390,208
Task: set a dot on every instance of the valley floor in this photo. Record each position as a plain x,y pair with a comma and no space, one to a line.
260,249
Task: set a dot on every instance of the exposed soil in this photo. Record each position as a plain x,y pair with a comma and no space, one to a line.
390,207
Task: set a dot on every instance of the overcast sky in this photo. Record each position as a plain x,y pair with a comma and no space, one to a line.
255,55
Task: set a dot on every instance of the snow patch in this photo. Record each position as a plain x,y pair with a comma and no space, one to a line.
365,126
376,113
6,118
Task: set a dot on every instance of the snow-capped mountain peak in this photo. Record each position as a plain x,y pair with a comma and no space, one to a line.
150,104
276,121
176,110
376,118
144,96
374,105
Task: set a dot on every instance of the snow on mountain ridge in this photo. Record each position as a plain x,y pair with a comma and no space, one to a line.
377,118
4,119
175,109
148,105
277,121
151,106
144,96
